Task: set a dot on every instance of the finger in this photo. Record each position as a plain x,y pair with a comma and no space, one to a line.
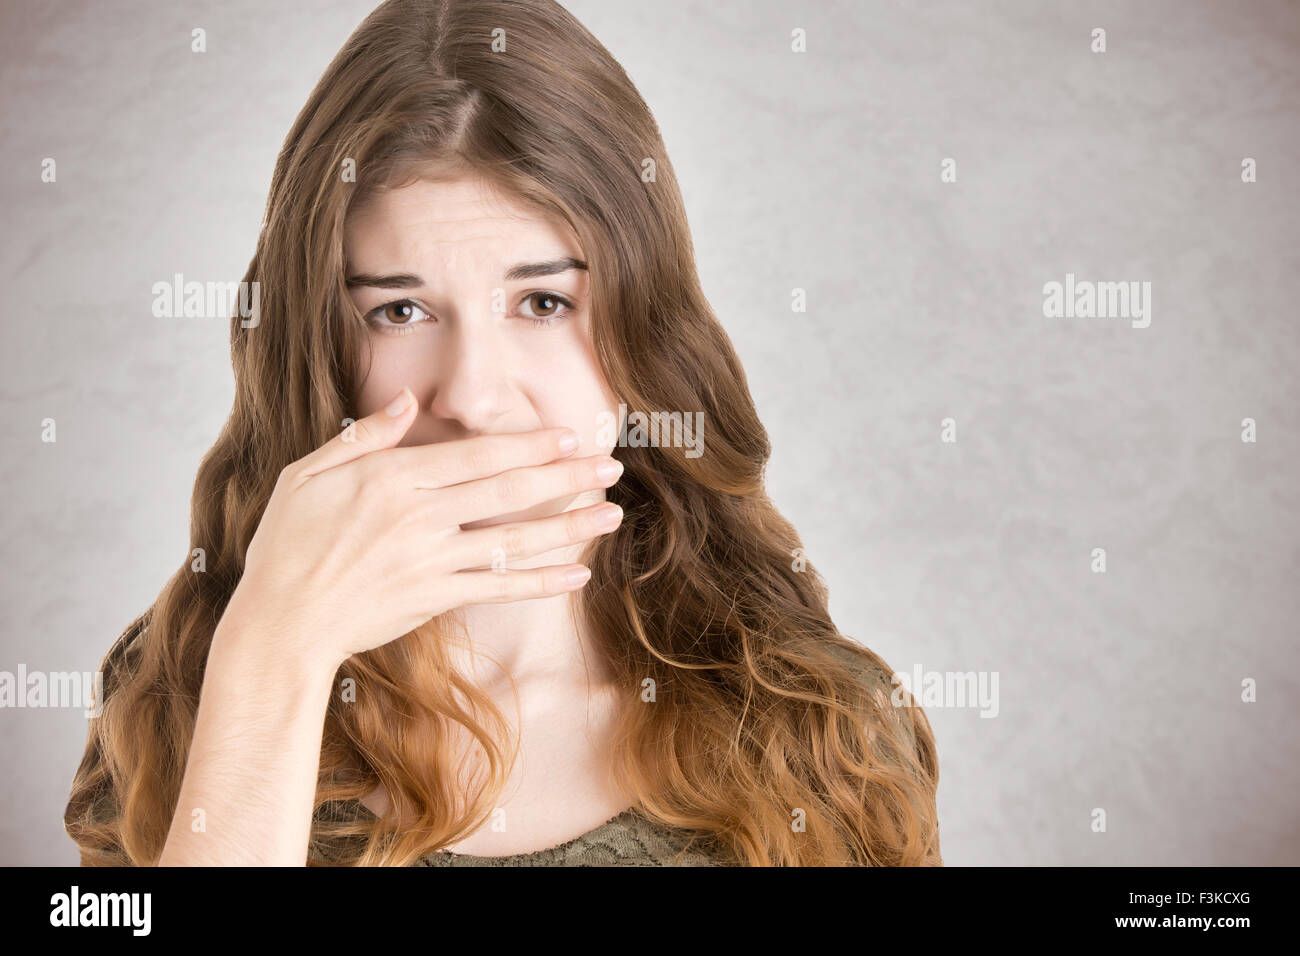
381,429
488,547
453,462
521,488
500,587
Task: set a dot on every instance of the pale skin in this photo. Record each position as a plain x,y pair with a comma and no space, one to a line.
487,374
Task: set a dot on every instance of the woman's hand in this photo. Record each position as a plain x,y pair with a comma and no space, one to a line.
361,540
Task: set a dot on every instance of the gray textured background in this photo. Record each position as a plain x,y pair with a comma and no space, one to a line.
818,171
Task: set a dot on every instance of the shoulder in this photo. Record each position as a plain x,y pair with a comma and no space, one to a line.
868,668
894,706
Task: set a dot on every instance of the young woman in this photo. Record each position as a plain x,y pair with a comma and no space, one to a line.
428,629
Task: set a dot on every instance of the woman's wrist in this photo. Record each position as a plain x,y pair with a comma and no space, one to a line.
256,646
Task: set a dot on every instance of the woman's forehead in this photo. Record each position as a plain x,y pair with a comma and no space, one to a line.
428,218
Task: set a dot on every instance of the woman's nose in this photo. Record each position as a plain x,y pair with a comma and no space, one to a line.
472,382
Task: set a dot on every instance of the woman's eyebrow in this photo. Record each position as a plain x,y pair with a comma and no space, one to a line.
524,270
533,270
401,280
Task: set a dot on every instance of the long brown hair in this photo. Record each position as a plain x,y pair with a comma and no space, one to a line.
763,713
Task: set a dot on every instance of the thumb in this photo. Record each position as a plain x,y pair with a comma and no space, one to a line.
381,429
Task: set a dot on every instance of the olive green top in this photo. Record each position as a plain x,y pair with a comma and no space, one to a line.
628,839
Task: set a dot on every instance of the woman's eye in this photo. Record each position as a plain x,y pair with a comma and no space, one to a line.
397,317
551,308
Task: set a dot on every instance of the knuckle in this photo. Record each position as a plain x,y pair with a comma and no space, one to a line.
575,526
480,459
514,541
507,487
503,586
384,473
362,432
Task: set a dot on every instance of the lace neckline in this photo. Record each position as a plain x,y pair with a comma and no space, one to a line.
619,819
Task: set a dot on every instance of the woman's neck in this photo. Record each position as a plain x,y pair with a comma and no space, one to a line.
539,643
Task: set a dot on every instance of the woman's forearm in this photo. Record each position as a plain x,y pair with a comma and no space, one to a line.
250,778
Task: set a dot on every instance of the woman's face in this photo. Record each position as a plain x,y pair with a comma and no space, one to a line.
481,307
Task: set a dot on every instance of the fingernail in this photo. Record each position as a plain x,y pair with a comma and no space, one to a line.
399,404
609,516
577,577
569,441
609,470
